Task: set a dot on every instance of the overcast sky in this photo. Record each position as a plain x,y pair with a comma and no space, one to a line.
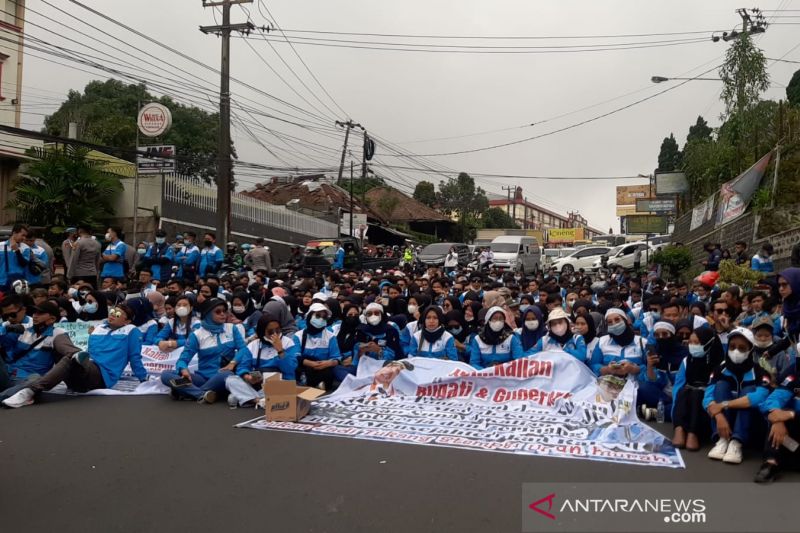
405,97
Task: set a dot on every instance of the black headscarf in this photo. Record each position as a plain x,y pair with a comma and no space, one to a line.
474,325
492,338
431,336
592,327
346,337
698,369
366,333
457,316
530,338
423,301
102,307
742,368
249,308
455,302
336,309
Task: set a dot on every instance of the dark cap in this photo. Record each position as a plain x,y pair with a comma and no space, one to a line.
212,303
49,308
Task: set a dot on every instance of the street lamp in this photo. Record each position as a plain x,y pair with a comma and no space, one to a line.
660,79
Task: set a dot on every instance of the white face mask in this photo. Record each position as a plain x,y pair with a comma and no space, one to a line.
107,236
374,320
238,308
763,344
532,324
182,311
319,322
497,325
559,329
738,356
412,309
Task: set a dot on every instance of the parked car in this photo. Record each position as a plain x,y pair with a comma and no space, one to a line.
623,256
434,254
517,252
580,258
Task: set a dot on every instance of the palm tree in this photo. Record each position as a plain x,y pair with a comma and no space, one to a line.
64,187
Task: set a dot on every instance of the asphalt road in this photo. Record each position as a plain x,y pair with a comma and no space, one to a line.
140,464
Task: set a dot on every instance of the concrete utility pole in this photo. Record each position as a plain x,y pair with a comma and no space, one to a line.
224,164
348,126
508,190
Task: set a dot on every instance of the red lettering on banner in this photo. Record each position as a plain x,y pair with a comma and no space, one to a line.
502,395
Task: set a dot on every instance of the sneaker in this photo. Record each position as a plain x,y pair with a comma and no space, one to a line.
233,403
719,449
648,413
734,453
767,473
208,396
174,394
20,399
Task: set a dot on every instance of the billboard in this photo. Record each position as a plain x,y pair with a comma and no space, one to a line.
735,195
627,196
643,224
564,235
655,205
160,159
671,183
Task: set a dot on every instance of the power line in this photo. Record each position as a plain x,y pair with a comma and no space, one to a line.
502,37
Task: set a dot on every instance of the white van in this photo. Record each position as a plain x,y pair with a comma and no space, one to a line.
517,252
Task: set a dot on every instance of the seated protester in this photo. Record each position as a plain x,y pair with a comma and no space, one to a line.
650,316
271,351
733,398
689,418
67,311
471,319
144,319
678,309
176,330
533,328
346,338
319,351
495,343
698,309
112,346
752,312
335,321
417,303
215,344
243,312
683,330
15,322
455,325
35,350
451,303
95,307
377,338
621,352
158,302
559,336
769,356
665,353
585,327
277,306
782,408
433,340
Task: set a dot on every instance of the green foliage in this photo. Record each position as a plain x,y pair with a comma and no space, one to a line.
425,192
701,131
495,217
459,197
740,275
793,90
106,114
707,164
361,186
675,260
64,188
762,199
669,157
744,75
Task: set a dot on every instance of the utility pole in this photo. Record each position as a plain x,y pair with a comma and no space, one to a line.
224,164
348,126
508,190
136,183
351,198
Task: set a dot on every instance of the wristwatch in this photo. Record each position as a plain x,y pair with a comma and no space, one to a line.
725,405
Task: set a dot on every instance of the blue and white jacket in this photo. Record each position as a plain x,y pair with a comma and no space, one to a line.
149,332
186,260
482,355
114,269
39,359
113,349
213,350
210,261
755,379
179,333
608,351
319,347
260,355
576,346
786,395
443,348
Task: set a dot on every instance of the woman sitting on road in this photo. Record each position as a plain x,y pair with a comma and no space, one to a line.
433,340
496,342
560,337
176,331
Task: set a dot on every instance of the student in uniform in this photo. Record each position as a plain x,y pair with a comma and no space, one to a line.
187,257
113,257
176,330
560,337
585,326
433,340
496,342
532,329
621,352
319,351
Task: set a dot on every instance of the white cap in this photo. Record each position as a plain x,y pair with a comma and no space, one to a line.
616,311
743,332
665,326
316,308
557,314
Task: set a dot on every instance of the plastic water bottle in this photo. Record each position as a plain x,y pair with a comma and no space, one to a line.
303,380
660,412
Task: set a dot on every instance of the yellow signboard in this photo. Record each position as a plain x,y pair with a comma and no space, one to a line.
561,235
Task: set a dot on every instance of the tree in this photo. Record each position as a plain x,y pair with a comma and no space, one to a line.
744,75
669,158
495,217
106,114
425,193
700,131
674,259
461,199
62,187
793,90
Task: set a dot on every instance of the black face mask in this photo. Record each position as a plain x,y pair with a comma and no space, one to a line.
39,328
208,244
352,321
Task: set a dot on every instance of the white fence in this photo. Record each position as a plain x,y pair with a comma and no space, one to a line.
191,193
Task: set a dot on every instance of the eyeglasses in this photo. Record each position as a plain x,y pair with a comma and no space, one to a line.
219,311
116,313
10,315
721,310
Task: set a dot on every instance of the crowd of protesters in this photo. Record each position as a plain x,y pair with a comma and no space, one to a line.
719,365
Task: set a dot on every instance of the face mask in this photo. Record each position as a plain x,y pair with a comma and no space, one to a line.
413,308
366,279
532,325
455,331
207,244
141,251
182,311
73,292
656,315
431,330
738,356
373,320
90,307
318,322
763,344
559,329
617,329
160,240
238,308
107,236
571,302
334,295
696,350
524,308
470,319
84,294
497,325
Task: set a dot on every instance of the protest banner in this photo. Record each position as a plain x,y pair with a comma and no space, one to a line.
79,331
549,404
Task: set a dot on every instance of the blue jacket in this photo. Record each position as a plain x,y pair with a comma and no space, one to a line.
319,347
576,347
113,349
212,349
482,355
389,343
608,351
149,332
754,379
13,265
9,340
785,395
159,257
210,261
186,259
762,264
444,348
37,360
115,268
39,253
260,355
338,262
174,330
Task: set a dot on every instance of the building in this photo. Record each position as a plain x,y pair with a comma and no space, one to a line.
532,216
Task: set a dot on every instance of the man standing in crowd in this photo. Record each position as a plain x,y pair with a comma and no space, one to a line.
740,253
259,257
338,260
187,258
84,257
66,250
714,257
159,257
15,259
211,256
114,255
762,261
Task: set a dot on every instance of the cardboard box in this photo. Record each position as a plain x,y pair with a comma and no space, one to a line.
285,401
